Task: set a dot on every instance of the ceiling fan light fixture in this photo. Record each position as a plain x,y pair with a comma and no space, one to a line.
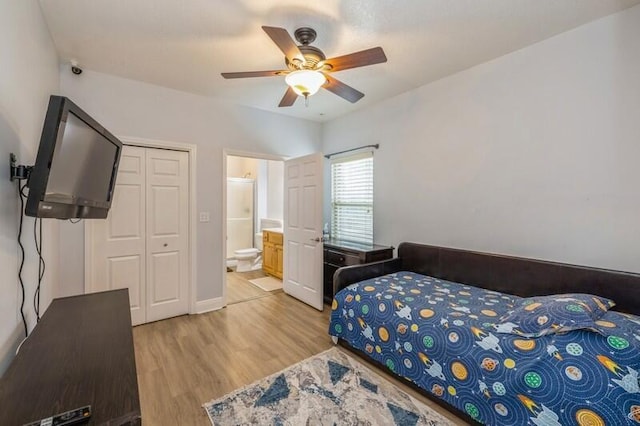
305,82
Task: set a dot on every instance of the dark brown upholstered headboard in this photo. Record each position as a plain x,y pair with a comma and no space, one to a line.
521,276
507,274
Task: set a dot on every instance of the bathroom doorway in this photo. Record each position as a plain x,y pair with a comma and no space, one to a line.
254,202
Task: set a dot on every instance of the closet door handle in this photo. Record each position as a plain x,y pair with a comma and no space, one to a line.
316,239
165,245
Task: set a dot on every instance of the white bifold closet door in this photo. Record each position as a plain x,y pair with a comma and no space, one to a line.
143,244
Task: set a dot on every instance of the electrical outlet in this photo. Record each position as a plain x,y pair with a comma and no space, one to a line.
204,217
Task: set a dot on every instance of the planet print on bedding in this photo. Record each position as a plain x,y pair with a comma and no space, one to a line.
453,350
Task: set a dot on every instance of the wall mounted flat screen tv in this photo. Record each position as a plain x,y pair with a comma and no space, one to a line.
75,170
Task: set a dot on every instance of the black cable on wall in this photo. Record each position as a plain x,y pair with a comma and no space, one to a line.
21,195
37,237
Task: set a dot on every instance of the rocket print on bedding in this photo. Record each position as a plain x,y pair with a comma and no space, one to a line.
448,338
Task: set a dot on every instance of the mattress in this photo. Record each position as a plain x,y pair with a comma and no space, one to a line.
448,339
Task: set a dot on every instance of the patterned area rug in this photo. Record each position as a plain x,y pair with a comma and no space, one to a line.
327,389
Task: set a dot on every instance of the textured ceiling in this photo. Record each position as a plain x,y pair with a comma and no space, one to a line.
186,44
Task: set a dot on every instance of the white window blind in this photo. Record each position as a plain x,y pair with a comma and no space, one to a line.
352,198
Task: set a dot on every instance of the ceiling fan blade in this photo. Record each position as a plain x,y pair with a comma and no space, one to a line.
363,58
254,74
342,90
283,40
289,98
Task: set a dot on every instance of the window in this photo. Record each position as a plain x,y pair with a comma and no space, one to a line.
352,198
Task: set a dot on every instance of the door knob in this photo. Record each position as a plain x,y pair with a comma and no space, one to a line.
317,239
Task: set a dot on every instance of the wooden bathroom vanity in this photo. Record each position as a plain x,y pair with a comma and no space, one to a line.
272,249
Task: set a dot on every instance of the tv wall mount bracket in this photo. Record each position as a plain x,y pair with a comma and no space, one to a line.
18,171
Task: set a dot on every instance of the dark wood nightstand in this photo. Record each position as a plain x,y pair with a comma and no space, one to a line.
339,253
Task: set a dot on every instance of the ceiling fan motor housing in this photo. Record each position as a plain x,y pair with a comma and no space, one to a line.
312,56
305,36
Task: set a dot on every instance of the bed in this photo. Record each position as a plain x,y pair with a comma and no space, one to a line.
499,339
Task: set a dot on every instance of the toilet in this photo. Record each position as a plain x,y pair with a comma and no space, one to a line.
249,259
246,259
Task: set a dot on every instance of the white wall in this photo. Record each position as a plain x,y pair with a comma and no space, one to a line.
130,108
262,194
28,75
534,154
275,190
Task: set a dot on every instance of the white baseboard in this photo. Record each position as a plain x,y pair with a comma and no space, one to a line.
209,305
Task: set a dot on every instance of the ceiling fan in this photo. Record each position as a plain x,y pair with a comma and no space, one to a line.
308,68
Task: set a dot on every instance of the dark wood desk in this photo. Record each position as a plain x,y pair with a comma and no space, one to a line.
81,353
338,253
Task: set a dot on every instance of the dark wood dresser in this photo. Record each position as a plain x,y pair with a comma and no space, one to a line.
339,253
80,353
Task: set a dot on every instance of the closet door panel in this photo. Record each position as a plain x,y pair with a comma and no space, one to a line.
167,233
127,272
165,270
118,244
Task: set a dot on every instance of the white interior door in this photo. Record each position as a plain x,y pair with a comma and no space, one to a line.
143,245
303,229
118,254
167,233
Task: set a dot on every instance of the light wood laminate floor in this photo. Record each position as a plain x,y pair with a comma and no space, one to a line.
239,289
185,361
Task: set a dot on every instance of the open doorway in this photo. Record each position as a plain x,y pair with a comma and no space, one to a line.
254,215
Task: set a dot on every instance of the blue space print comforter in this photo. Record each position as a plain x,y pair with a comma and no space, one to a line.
447,338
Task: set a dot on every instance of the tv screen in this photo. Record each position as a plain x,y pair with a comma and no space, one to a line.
76,166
